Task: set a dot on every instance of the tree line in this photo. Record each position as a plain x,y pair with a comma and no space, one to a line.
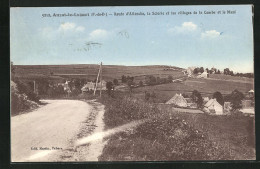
235,98
226,71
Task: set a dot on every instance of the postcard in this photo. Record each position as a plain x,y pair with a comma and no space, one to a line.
132,83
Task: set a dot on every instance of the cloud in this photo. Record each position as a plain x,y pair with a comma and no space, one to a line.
99,34
210,34
80,29
70,26
186,27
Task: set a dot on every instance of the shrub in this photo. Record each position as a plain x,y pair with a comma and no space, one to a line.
141,83
115,81
126,109
196,97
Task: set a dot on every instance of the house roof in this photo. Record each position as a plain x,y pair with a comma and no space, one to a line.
251,91
177,100
212,102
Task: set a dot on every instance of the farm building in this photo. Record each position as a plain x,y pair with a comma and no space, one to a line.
249,111
247,103
205,99
213,106
66,86
87,87
178,100
251,93
103,84
190,70
203,75
91,86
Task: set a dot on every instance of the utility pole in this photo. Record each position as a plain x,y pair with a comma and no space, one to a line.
100,78
97,79
34,87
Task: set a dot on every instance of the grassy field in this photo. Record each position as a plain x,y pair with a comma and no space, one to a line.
232,78
205,86
90,71
171,136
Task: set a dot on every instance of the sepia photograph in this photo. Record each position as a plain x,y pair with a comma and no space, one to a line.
132,83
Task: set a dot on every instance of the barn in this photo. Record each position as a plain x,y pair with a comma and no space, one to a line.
213,106
178,100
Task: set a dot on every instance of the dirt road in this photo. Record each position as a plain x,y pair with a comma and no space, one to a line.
47,130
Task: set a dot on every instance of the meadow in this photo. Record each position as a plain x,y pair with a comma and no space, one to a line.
206,87
173,136
90,71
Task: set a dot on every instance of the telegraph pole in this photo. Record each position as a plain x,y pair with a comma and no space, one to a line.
97,79
100,78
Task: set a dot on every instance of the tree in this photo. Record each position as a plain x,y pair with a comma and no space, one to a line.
207,70
141,83
231,73
115,81
170,78
185,95
123,79
196,97
213,70
218,96
12,71
235,98
77,83
151,80
201,70
130,84
109,87
196,71
226,71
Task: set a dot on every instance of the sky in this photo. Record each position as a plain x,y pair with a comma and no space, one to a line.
183,40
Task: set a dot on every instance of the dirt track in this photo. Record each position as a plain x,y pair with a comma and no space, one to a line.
51,127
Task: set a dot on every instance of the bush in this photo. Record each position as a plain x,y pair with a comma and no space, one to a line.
115,81
25,88
125,109
196,97
20,102
163,138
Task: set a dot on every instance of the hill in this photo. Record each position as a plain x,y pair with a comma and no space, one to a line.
90,71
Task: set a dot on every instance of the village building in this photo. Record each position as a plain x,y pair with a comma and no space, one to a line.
247,104
66,86
205,99
203,75
190,70
212,106
251,93
90,86
178,100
